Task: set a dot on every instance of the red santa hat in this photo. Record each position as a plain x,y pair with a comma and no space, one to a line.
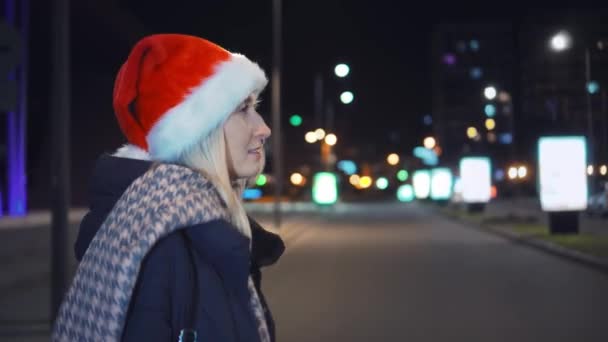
175,89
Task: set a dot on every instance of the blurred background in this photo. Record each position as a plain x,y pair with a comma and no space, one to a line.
409,167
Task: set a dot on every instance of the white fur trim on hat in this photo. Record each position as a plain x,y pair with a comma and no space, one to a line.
205,108
133,152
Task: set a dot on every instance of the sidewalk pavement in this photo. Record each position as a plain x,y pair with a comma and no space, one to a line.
522,220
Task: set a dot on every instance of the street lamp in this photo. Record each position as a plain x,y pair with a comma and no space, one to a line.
310,137
393,159
559,42
331,139
347,97
429,142
489,92
341,70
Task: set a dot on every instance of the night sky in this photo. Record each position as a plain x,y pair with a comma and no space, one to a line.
387,45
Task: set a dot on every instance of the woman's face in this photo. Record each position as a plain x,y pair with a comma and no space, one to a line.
245,132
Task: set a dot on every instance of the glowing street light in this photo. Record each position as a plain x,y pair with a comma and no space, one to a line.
382,183
347,97
354,180
261,180
310,137
393,159
320,133
472,132
331,139
490,124
522,172
341,70
603,170
590,170
365,182
561,41
429,142
489,92
296,179
512,173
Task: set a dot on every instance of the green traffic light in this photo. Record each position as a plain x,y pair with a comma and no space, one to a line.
261,180
295,120
402,175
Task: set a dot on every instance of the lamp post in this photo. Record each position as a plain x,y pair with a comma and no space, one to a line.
562,41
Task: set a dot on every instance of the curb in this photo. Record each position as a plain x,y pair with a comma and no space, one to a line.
545,246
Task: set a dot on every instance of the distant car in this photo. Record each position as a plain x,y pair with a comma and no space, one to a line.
598,204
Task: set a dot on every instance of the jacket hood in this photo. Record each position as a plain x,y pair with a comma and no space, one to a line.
111,178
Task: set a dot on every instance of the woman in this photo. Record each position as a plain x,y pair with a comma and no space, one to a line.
167,249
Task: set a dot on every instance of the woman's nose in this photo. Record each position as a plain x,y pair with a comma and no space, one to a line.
262,130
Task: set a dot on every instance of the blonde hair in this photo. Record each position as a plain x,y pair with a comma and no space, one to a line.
210,158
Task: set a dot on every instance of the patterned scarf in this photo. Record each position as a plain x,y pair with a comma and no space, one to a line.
162,200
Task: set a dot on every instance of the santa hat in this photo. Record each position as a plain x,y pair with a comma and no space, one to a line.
175,89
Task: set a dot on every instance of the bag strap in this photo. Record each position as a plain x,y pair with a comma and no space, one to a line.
193,303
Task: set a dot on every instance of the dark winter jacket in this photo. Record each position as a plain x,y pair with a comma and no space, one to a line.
164,294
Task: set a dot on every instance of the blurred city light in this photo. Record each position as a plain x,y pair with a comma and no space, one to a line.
474,44
472,132
261,180
461,46
347,166
295,120
489,92
296,179
320,133
561,41
427,120
490,110
499,175
382,183
476,175
402,175
449,59
325,188
563,186
493,192
503,96
437,150
331,139
490,124
252,194
476,73
603,170
310,137
341,70
354,180
512,173
590,170
429,142
505,138
422,183
393,159
429,157
405,193
522,172
593,87
441,183
491,137
365,182
347,97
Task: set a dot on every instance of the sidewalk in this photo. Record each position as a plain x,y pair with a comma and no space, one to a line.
522,220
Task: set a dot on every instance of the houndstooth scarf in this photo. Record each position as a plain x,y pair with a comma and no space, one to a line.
164,199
